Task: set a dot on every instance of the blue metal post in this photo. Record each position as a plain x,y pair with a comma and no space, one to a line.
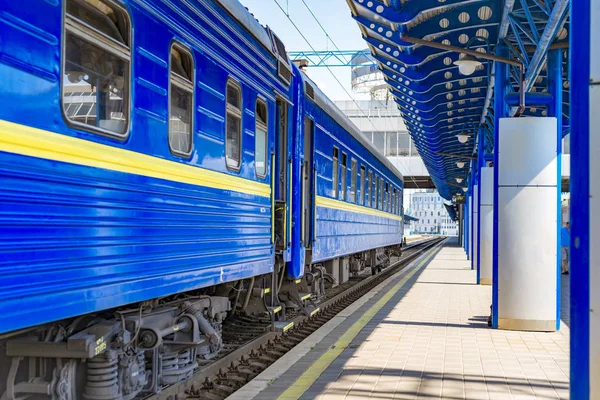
501,85
555,110
467,217
580,59
465,222
472,210
480,164
466,235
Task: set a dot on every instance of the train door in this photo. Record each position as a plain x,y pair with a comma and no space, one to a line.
307,174
282,234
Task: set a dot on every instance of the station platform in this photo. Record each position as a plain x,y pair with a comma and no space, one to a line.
421,334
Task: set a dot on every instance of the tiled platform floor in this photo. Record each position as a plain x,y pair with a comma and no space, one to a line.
431,341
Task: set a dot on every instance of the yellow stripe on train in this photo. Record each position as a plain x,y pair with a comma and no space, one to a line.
342,205
33,142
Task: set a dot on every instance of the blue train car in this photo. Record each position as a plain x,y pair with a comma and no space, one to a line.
136,153
137,156
348,201
358,192
164,165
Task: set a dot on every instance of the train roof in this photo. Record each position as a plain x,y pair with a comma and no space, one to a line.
244,17
338,116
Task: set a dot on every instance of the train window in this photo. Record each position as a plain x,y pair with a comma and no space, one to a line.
386,199
353,182
381,190
376,205
370,194
344,176
260,139
233,143
393,199
96,61
334,178
376,192
181,107
363,177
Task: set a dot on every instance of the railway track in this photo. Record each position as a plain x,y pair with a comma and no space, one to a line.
250,345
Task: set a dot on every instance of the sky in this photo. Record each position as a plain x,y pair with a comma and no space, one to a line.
343,31
334,16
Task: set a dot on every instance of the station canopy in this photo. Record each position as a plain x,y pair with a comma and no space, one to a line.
448,111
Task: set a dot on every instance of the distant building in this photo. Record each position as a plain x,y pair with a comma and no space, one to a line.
381,123
429,208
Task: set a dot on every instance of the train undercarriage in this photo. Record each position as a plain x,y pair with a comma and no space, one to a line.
136,351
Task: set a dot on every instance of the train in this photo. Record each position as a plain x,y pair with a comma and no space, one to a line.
163,166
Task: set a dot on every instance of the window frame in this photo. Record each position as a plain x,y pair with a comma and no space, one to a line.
370,184
344,176
229,108
182,50
363,182
262,100
353,180
335,178
386,203
381,190
376,192
98,39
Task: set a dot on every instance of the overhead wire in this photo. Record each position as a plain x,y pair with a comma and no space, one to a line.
338,49
321,59
323,29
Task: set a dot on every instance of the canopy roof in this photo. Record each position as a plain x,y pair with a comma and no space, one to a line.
436,101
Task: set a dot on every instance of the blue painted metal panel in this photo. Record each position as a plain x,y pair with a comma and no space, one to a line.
343,232
102,239
580,203
295,268
77,239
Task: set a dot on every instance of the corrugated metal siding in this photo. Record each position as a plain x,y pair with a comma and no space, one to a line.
78,239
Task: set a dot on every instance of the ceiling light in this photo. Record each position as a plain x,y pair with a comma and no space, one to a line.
467,64
459,180
463,137
465,189
460,164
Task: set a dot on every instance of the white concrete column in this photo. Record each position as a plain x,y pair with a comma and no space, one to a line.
527,224
486,224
